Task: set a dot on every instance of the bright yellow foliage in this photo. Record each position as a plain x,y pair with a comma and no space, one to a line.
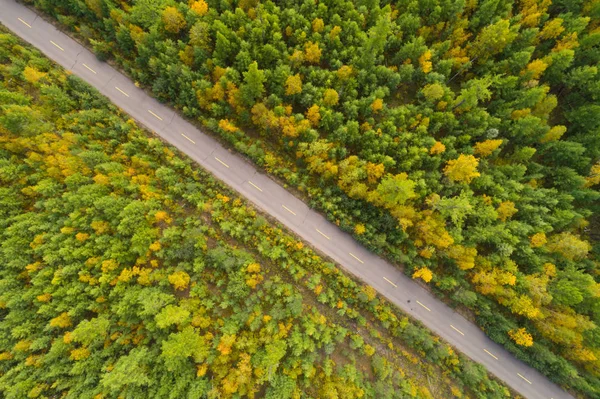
594,176
377,105
82,237
370,292
535,69
374,172
423,273
313,115
22,346
225,344
201,369
552,29
293,85
345,72
253,268
425,61
80,354
360,229
506,209
555,133
334,32
330,97
61,321
487,147
227,125
427,252
318,25
521,337
180,280
32,75
126,275
44,297
199,7
162,216
463,169
437,148
155,246
537,240
312,52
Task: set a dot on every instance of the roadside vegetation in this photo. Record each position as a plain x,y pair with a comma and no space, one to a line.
129,272
460,139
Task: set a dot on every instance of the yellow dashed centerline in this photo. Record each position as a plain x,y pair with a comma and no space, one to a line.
288,209
386,279
60,48
156,116
355,257
122,92
24,23
524,378
221,162
323,234
429,310
457,330
489,353
255,186
193,142
90,69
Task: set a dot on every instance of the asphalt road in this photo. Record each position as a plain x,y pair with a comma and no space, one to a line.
274,199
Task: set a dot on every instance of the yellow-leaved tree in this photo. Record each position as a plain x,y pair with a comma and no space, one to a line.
506,210
463,169
486,148
199,7
313,115
312,52
293,85
330,97
424,274
521,337
180,280
173,20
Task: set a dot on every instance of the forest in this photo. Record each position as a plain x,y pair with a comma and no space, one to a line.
458,138
129,272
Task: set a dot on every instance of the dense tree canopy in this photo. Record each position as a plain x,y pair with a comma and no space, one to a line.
483,114
129,272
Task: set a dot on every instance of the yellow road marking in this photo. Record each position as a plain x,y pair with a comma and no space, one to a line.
386,279
122,92
89,68
354,256
424,306
323,234
457,330
156,116
193,142
289,210
255,186
24,23
524,378
489,353
222,163
60,48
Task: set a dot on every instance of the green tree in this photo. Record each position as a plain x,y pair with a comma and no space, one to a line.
253,87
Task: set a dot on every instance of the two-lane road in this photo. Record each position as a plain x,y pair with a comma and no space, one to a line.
267,195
